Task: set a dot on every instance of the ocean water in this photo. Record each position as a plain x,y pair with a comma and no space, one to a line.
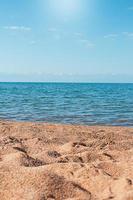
69,103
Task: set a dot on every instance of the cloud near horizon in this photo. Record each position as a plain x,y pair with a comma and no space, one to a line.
128,34
112,36
17,28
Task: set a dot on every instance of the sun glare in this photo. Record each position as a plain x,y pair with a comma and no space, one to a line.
65,7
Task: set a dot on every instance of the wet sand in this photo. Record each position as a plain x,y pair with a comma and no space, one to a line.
40,161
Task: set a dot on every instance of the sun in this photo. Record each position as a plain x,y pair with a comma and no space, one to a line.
65,7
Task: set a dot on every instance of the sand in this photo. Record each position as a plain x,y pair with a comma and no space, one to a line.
40,161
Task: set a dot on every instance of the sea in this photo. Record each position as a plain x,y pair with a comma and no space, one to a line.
68,103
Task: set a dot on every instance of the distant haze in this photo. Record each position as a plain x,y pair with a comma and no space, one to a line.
99,78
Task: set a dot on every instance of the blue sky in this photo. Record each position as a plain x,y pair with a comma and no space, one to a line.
66,40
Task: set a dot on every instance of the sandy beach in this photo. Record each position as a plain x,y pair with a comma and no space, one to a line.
40,161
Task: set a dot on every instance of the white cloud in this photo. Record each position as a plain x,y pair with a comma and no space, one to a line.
111,36
128,34
17,28
87,43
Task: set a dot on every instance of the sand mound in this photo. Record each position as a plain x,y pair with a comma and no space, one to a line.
62,162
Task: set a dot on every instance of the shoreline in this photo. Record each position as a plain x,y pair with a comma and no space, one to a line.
64,124
56,161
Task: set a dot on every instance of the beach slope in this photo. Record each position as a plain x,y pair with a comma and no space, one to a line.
40,161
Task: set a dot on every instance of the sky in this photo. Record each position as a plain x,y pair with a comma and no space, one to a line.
66,40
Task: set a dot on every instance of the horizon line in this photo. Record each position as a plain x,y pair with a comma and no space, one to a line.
67,82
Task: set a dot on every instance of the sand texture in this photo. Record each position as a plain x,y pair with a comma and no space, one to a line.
41,161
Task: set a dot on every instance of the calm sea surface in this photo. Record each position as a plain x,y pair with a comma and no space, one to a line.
89,104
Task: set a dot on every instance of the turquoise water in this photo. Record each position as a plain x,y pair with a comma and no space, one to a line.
89,104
